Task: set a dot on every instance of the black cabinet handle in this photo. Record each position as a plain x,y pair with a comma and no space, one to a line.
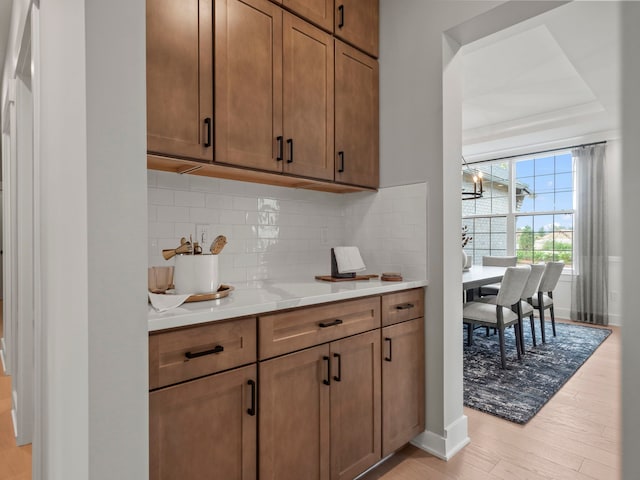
405,306
290,143
341,12
216,349
207,123
338,377
388,359
252,410
337,321
341,157
327,381
280,156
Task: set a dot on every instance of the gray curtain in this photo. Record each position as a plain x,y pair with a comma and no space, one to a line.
589,301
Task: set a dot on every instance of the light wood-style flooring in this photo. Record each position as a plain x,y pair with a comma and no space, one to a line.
15,462
575,436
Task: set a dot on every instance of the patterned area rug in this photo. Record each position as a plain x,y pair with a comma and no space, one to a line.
518,393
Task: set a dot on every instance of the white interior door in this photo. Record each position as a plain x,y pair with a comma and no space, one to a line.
24,251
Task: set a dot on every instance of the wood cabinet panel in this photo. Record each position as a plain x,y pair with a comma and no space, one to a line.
231,343
355,405
356,117
319,12
248,83
403,383
286,332
401,306
308,99
203,426
357,22
179,78
294,416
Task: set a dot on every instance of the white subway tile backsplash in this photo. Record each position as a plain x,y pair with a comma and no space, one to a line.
172,214
189,199
277,233
233,217
204,216
160,196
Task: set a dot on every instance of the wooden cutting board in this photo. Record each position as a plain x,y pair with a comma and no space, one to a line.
329,278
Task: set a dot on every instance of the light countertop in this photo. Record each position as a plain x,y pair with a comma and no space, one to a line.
254,298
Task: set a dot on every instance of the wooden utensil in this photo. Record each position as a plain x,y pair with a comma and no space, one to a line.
218,244
185,247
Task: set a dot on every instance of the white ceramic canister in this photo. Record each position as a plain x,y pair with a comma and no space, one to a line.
196,274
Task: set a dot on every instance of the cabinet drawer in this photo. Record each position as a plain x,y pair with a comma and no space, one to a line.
402,306
188,353
304,327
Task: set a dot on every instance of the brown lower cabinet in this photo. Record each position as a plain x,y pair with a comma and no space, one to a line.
317,406
402,383
205,428
320,411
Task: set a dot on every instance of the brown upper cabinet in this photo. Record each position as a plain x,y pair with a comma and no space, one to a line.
319,12
356,111
357,22
248,82
180,78
273,90
242,89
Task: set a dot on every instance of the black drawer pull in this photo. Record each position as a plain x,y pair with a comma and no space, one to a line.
341,12
216,349
207,123
290,143
327,381
338,377
280,156
252,410
337,321
405,306
341,157
388,359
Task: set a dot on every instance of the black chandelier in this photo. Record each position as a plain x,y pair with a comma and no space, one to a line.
477,183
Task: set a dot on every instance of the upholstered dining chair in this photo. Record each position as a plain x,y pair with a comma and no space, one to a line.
501,311
496,261
531,289
544,298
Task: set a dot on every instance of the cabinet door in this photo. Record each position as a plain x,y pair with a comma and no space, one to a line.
180,78
356,112
248,83
402,384
294,416
308,99
357,22
204,426
355,405
319,12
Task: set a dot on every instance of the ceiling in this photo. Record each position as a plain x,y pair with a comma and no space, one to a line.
550,81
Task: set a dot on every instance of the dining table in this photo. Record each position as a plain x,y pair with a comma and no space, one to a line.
480,275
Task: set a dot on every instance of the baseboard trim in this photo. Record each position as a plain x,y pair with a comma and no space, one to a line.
564,313
2,359
444,447
14,422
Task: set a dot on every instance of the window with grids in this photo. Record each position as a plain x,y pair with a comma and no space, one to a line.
527,208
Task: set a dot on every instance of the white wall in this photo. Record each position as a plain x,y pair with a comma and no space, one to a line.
421,139
283,233
630,234
93,130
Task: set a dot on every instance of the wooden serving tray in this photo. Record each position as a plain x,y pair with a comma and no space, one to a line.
329,278
222,292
